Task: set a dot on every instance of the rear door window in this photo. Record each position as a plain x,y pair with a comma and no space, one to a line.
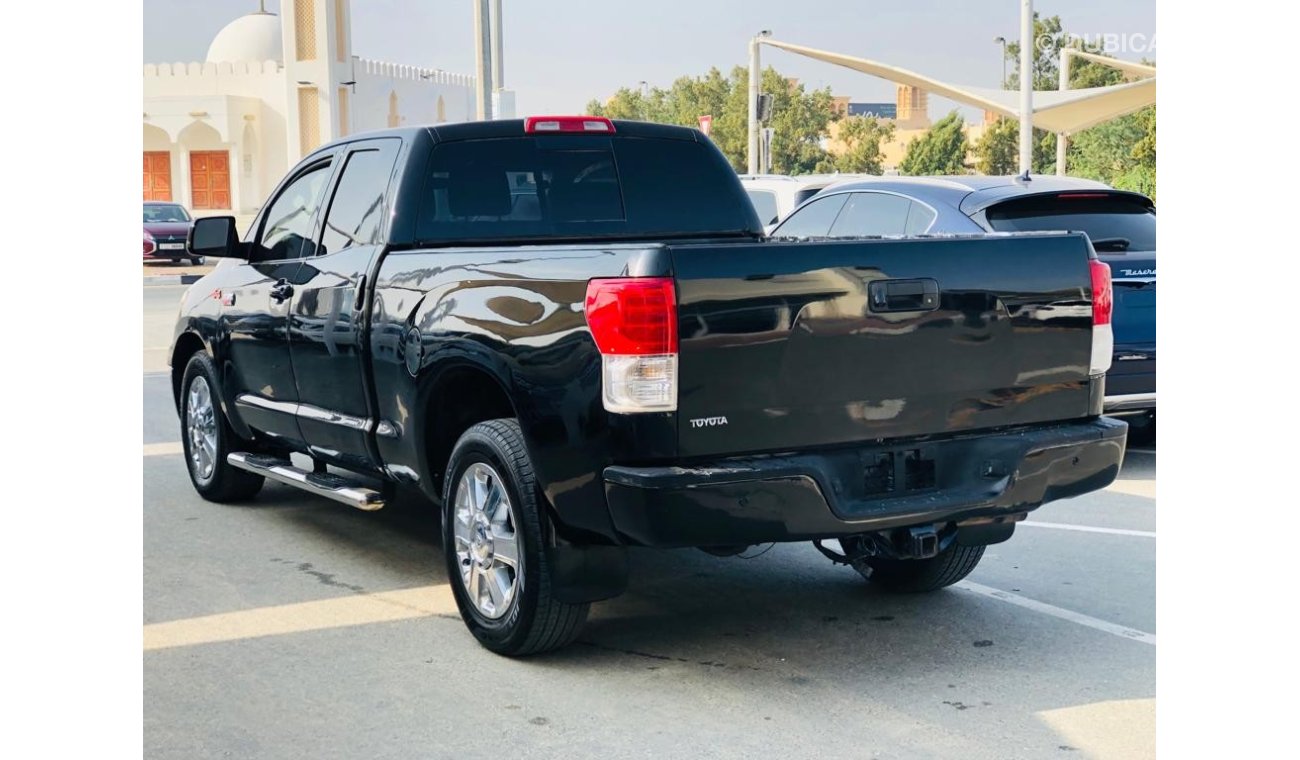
814,219
1115,223
357,212
919,218
872,214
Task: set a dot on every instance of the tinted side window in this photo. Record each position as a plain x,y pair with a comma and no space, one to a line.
919,218
286,233
813,220
764,204
872,214
357,211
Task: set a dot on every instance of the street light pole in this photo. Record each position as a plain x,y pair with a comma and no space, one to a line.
1062,139
1026,86
1003,41
482,60
754,75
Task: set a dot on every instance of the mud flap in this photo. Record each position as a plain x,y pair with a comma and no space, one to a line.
588,573
985,534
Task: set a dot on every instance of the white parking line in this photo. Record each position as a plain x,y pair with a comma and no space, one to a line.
1131,487
1089,529
1058,612
163,449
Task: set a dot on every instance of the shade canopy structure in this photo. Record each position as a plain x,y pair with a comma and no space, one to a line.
1059,111
1132,68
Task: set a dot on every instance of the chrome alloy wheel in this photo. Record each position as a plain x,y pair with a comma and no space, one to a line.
201,427
487,544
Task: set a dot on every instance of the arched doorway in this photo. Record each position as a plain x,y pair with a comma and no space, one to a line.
208,167
157,164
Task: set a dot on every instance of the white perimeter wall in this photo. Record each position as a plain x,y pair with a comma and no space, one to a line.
417,90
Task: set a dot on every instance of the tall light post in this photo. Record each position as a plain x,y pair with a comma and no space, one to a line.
1026,86
1003,41
482,60
755,74
1063,139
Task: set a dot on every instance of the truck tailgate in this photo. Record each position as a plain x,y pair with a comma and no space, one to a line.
787,345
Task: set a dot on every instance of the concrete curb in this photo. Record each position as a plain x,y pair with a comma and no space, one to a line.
172,279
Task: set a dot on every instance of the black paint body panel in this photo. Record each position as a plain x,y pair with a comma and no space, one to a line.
775,336
780,339
821,494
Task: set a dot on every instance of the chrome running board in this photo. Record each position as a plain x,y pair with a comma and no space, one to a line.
325,484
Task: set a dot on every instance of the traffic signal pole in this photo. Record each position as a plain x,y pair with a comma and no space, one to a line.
754,77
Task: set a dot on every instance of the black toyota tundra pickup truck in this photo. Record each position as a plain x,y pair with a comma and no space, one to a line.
571,337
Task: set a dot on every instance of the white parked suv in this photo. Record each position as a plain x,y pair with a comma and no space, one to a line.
775,195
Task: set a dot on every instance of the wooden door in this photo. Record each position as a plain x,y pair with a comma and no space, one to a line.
210,179
157,175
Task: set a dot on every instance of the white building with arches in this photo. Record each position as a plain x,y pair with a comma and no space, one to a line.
219,134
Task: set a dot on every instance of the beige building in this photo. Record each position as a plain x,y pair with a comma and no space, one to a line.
221,132
910,117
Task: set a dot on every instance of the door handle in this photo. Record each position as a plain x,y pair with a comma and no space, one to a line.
903,295
281,290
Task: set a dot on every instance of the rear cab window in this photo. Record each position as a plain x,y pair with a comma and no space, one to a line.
580,187
1116,223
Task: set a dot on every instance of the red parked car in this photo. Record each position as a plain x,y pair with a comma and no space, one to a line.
166,226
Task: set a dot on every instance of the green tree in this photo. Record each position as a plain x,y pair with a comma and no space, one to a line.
1102,151
800,117
998,150
1120,152
941,150
1049,39
862,137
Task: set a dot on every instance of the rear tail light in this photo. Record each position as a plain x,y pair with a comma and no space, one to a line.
149,244
634,323
1103,337
534,124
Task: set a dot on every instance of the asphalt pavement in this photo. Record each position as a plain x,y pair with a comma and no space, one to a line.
294,627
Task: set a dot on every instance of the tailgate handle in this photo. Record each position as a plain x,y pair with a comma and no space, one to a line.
904,295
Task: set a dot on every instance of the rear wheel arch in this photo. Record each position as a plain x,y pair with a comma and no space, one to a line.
454,399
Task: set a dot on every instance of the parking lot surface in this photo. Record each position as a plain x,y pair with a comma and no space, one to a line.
292,626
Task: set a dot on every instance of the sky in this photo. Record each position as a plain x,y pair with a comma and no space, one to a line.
559,54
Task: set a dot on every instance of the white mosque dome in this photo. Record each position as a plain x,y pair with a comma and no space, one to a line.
255,37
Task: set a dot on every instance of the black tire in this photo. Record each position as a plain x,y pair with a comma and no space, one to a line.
224,483
920,575
533,621
1142,430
